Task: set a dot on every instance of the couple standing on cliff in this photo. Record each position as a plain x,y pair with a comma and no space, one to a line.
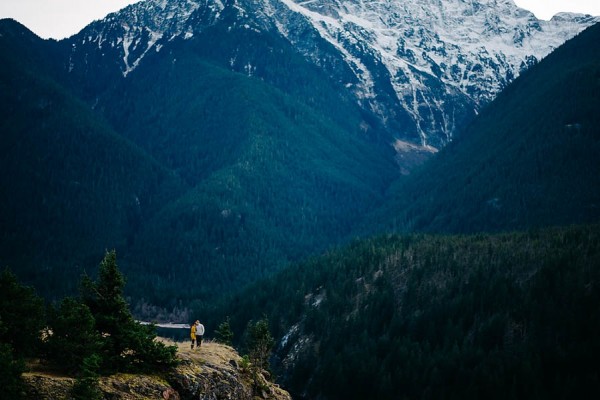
196,334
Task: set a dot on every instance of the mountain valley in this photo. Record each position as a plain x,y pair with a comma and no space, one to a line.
269,129
406,192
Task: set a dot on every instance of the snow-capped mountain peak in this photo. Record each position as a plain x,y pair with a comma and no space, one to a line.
424,67
473,48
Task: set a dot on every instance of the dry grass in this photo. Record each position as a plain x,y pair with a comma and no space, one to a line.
210,352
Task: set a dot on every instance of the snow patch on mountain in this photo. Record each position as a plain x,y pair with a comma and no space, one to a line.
330,29
473,47
141,27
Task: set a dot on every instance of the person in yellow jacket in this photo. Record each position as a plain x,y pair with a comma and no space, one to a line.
193,331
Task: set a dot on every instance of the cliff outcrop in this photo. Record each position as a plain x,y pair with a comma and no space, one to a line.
212,372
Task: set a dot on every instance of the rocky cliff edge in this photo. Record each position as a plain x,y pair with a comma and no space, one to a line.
212,372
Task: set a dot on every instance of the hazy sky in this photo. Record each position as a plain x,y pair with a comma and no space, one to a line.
62,18
59,18
545,9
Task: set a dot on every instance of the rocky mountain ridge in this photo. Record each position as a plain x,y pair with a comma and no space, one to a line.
423,68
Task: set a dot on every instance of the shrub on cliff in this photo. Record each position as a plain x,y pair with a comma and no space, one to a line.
11,369
86,386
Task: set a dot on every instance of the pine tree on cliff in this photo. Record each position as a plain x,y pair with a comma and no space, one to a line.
74,336
21,320
127,345
260,342
223,333
22,315
11,369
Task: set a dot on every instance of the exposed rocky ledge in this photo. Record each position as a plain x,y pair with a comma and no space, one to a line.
212,372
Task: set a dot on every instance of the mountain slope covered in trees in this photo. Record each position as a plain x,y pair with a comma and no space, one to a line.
511,315
206,177
271,177
71,187
236,176
501,316
529,159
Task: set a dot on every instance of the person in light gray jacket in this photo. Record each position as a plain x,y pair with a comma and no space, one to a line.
199,333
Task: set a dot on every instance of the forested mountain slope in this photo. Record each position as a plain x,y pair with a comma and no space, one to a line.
246,176
230,152
529,159
510,315
70,186
271,177
422,316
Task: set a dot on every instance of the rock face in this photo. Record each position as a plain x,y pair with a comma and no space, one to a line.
212,372
423,68
215,372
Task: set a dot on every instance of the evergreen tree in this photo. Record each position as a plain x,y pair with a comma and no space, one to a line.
223,333
86,386
22,315
74,337
126,345
260,343
10,377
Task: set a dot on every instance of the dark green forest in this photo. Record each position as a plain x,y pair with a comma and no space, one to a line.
70,186
506,316
259,195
